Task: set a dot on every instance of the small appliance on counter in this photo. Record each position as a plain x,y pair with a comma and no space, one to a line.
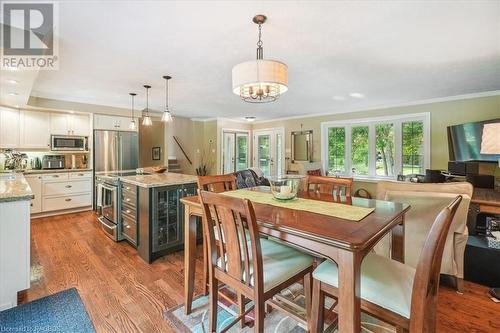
53,162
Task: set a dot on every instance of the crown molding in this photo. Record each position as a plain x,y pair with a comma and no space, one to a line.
389,106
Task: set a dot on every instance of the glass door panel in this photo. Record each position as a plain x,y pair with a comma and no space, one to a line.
269,152
235,151
264,154
241,151
228,152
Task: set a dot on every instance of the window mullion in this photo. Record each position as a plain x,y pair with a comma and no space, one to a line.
348,150
398,148
372,150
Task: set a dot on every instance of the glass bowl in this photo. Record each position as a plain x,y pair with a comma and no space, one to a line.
285,187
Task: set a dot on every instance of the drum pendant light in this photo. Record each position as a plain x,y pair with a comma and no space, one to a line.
260,81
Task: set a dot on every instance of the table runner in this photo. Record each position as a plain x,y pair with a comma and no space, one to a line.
343,211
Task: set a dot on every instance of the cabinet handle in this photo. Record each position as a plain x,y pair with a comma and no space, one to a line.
81,174
68,186
55,176
31,204
67,199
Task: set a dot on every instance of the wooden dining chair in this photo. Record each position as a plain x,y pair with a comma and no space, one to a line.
330,185
391,291
218,183
255,267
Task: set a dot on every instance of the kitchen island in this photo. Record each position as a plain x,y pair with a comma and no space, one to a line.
15,199
151,212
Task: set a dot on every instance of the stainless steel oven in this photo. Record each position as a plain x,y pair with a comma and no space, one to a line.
107,206
69,143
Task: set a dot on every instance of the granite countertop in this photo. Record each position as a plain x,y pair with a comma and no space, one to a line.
14,187
159,179
34,171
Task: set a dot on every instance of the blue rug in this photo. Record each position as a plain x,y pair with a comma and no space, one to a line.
61,312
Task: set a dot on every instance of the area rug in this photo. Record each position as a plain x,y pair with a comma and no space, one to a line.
60,312
274,322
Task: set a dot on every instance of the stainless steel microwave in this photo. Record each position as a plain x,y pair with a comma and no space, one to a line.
69,143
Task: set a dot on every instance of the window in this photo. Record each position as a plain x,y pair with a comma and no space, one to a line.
381,147
336,149
359,150
413,147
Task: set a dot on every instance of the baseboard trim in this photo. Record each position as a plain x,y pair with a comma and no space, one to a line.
60,212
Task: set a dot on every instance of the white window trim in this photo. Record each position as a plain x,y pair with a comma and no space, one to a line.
234,130
397,120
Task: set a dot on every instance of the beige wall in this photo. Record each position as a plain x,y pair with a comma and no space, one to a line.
443,114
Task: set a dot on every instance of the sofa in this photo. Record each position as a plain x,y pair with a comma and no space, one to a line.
250,178
426,201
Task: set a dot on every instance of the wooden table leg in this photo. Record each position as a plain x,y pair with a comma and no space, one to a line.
398,241
349,264
189,257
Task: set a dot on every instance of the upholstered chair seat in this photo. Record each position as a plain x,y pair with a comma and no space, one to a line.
385,282
280,263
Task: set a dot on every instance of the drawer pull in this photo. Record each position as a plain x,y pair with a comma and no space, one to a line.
69,199
55,176
68,186
81,174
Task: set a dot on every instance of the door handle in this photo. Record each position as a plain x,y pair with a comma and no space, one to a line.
68,186
69,199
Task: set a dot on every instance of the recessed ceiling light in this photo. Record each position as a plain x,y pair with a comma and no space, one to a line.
250,118
357,95
13,81
339,98
13,94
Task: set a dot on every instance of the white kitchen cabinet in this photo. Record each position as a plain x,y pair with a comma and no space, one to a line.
59,124
35,182
34,129
69,124
114,123
79,124
9,128
14,251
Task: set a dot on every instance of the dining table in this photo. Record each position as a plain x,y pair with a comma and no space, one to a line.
344,241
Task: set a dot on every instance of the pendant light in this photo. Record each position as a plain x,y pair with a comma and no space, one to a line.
166,116
132,125
146,120
260,81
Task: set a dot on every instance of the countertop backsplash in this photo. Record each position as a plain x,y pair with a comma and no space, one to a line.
82,160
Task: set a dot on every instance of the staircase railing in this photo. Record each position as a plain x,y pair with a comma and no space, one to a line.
182,149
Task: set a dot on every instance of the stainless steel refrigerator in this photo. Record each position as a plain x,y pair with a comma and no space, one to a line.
115,151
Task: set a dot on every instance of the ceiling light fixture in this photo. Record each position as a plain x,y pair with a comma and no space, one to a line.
166,116
250,118
132,125
260,81
13,94
357,95
13,81
146,119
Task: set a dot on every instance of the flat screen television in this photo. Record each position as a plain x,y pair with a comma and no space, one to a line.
464,142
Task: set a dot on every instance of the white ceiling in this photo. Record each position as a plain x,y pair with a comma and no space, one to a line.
391,52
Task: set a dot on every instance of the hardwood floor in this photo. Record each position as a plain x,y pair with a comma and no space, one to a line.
122,293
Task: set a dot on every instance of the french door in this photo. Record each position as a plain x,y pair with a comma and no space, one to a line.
235,151
269,151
